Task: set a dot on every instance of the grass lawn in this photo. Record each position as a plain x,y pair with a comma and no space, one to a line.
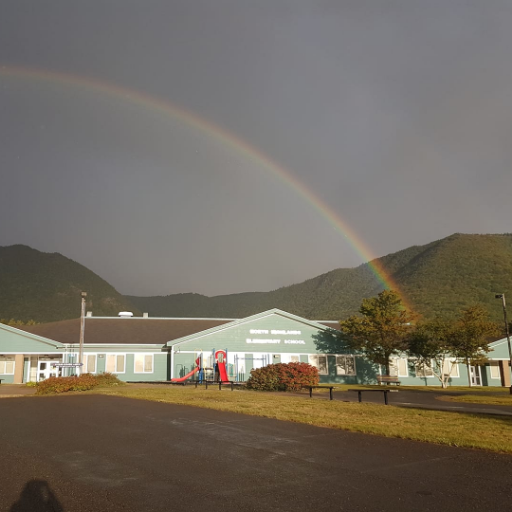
450,428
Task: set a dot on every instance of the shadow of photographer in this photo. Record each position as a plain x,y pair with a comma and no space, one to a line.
37,496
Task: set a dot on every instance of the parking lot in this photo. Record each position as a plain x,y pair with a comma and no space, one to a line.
81,453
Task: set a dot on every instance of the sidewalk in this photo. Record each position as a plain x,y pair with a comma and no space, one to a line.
426,400
15,390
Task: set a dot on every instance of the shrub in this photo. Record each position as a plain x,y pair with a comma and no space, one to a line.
84,382
293,376
264,379
108,379
283,377
64,384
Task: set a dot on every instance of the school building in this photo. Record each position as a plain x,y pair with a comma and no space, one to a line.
160,349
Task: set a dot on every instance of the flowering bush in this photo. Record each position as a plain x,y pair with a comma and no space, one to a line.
84,382
283,377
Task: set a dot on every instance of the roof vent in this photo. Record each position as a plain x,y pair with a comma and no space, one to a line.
88,314
125,314
145,315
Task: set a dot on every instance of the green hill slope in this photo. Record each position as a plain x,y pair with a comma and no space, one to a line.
458,271
438,278
46,287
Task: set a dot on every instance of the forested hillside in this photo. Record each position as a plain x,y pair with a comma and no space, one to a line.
45,287
438,278
458,271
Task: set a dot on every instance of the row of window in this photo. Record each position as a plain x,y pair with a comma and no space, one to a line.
399,367
116,363
345,365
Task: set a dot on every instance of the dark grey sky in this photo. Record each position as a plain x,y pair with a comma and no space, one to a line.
396,114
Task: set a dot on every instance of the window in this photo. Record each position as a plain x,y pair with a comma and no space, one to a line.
345,365
89,363
115,363
398,367
288,358
495,370
143,363
450,367
6,365
423,370
319,362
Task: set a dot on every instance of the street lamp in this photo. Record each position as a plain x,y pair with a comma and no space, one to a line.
82,332
502,297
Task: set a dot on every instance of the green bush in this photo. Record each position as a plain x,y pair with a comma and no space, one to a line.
108,379
264,379
84,382
283,377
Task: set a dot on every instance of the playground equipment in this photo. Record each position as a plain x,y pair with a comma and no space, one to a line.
221,357
189,374
217,371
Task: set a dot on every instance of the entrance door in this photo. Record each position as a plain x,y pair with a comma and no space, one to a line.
475,375
46,370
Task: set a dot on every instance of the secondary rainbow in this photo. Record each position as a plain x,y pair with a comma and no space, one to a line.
224,137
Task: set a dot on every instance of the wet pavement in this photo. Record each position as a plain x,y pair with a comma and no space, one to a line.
91,452
402,397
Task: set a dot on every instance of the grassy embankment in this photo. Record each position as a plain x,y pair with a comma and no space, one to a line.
449,428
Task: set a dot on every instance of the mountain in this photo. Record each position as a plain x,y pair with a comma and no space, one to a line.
46,287
441,277
458,271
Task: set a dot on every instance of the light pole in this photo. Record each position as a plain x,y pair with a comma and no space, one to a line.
82,332
502,297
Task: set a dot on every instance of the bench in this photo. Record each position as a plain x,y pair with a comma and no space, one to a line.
385,391
388,379
219,382
330,388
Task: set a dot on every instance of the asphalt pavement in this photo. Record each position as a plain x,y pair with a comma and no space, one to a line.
403,397
92,452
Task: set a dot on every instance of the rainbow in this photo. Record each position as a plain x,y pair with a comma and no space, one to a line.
223,137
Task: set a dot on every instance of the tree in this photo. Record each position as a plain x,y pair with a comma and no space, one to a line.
16,323
465,340
430,343
469,337
382,330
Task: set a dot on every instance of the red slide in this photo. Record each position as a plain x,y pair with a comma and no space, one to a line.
189,374
222,372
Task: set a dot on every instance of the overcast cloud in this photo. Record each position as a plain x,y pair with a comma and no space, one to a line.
397,115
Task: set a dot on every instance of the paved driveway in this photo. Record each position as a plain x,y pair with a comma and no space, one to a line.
85,453
404,397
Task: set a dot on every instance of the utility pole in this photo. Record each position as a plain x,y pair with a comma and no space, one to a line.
82,333
502,297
